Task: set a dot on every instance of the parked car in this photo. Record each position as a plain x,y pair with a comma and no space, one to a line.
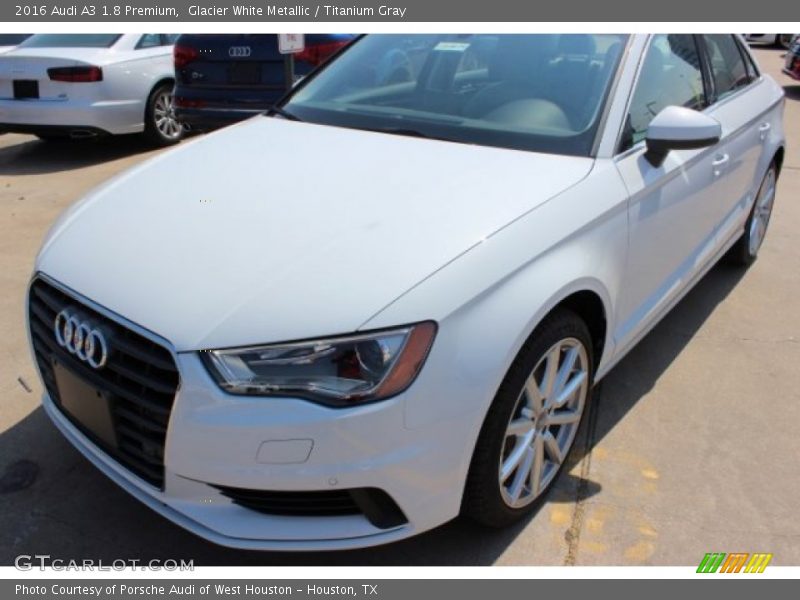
278,361
792,65
221,79
775,39
8,41
69,86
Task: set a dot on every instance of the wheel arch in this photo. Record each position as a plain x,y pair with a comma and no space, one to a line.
161,81
589,306
590,300
778,157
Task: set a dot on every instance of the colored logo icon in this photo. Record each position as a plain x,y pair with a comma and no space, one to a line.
738,562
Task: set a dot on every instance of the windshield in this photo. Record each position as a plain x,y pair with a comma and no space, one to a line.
71,40
542,93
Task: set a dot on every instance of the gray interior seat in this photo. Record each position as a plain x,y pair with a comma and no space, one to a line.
517,69
571,75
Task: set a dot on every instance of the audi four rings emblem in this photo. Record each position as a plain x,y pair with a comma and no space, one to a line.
239,51
80,338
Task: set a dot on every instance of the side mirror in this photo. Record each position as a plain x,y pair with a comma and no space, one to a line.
678,128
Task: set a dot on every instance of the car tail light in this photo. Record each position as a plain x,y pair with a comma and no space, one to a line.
183,55
319,53
75,74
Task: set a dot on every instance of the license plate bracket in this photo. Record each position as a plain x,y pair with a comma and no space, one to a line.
26,89
244,73
86,405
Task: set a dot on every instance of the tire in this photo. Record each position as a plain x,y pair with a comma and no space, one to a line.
784,40
745,251
489,493
161,127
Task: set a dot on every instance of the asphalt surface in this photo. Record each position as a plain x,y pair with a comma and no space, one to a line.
691,445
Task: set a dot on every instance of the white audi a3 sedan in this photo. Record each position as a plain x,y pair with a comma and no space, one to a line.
73,86
385,303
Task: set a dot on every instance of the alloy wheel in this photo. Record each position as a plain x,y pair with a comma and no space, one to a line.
164,116
762,211
544,422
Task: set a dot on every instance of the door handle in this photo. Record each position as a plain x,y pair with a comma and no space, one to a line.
719,161
763,129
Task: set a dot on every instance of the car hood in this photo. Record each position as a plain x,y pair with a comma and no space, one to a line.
273,230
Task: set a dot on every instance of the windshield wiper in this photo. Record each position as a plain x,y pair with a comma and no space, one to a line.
407,132
277,110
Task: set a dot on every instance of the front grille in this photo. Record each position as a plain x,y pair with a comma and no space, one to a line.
374,504
140,380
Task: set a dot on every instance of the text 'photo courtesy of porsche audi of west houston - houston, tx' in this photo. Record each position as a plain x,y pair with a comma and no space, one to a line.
280,361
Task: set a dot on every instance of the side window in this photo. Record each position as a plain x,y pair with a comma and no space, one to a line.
728,70
149,40
752,68
670,75
168,39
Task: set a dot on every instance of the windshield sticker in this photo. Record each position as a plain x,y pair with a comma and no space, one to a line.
451,46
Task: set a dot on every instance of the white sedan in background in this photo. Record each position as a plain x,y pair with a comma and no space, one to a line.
59,86
279,361
778,39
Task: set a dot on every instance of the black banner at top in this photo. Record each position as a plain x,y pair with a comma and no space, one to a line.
42,11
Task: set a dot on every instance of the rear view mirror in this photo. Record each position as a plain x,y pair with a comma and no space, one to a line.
679,128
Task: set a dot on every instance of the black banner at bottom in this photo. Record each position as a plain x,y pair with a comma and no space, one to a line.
382,589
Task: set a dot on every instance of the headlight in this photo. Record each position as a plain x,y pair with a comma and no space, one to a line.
340,371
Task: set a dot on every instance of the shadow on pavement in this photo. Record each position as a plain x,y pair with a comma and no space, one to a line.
35,157
71,511
639,371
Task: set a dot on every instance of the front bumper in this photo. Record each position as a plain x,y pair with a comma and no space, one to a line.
217,445
216,442
200,509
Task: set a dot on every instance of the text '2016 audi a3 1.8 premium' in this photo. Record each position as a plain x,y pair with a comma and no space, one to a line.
278,360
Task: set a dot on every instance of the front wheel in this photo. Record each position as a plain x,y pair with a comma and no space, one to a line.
745,251
785,40
532,423
161,126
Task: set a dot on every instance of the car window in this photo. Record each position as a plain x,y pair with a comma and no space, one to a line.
149,40
728,70
168,39
752,68
12,39
540,92
670,75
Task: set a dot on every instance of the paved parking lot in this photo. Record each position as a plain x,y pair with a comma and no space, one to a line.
691,447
